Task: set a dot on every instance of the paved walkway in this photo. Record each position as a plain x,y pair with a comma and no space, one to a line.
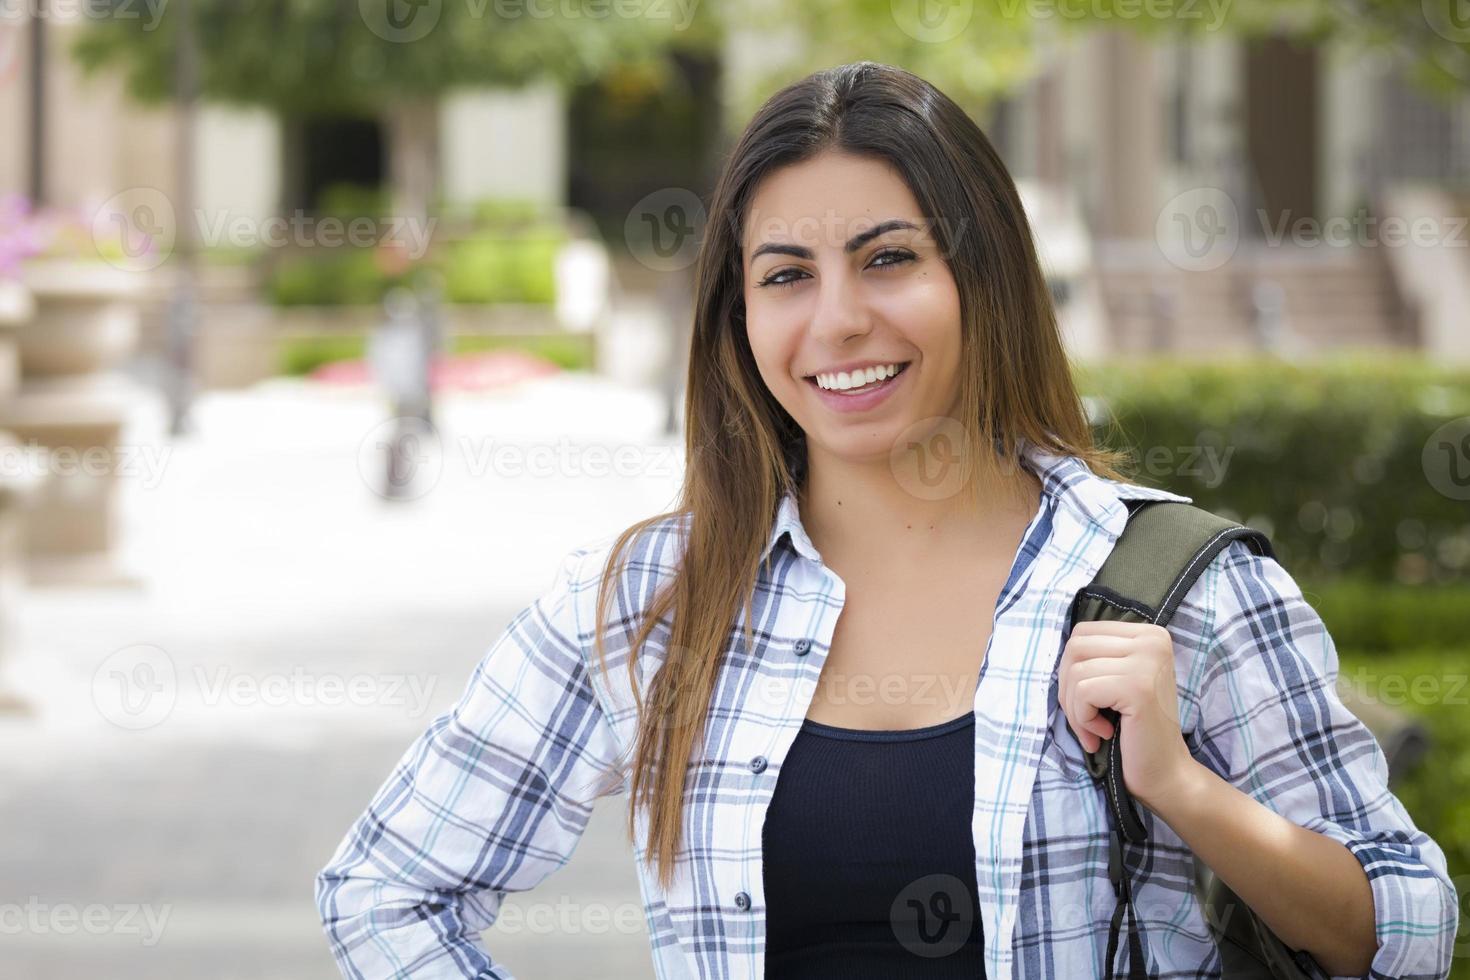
201,743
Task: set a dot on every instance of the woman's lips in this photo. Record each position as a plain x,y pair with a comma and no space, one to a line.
863,401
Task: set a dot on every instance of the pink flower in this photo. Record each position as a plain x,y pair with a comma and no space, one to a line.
23,234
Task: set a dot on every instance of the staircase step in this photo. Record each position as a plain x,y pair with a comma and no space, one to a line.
1331,299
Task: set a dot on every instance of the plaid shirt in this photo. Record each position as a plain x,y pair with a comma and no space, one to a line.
494,796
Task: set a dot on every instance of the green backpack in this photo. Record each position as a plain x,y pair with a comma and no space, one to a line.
1162,551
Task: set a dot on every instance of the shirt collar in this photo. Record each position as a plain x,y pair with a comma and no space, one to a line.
1065,478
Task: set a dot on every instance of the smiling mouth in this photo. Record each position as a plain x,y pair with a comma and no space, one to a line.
871,386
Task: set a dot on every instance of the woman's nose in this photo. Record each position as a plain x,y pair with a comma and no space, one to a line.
841,312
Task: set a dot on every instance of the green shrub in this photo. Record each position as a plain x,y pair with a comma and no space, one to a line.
347,201
1327,459
1375,616
477,270
302,355
1437,793
570,352
230,255
498,250
328,277
501,269
481,269
494,212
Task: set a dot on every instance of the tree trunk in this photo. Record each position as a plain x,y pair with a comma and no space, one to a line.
412,128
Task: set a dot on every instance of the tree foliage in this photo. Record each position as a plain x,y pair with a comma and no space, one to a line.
357,55
976,50
354,56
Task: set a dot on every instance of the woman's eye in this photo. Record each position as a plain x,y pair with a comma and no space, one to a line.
893,256
773,280
898,256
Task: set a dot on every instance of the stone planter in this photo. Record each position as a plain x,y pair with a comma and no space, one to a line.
18,483
86,317
17,308
68,411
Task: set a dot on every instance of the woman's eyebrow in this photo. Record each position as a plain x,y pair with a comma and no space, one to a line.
853,244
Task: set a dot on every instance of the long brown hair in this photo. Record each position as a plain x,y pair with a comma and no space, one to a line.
743,451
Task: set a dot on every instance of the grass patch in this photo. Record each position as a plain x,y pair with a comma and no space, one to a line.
301,355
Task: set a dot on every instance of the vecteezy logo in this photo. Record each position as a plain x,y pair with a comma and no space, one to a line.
1198,230
401,458
400,21
931,458
1450,19
1446,458
932,21
140,224
933,916
135,687
663,230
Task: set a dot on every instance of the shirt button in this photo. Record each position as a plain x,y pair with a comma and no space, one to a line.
758,764
742,901
802,646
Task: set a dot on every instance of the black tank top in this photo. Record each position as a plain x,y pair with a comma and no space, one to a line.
869,863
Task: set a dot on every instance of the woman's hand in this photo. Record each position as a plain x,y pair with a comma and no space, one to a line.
1128,667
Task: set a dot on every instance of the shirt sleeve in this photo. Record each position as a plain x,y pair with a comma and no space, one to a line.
1272,724
491,798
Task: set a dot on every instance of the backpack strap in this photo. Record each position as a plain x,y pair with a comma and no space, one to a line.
1163,549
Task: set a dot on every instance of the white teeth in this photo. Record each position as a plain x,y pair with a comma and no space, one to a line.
843,380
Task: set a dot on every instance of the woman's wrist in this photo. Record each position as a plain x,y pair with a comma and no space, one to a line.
1187,788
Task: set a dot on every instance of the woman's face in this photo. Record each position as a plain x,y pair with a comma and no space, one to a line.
823,295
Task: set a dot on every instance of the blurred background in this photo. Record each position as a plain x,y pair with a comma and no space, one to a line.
327,328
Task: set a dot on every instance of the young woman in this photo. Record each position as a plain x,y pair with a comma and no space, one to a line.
838,682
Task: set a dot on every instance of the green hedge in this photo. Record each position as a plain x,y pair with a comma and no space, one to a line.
498,250
303,355
482,268
570,352
1327,459
495,269
1383,617
328,277
348,201
1431,685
